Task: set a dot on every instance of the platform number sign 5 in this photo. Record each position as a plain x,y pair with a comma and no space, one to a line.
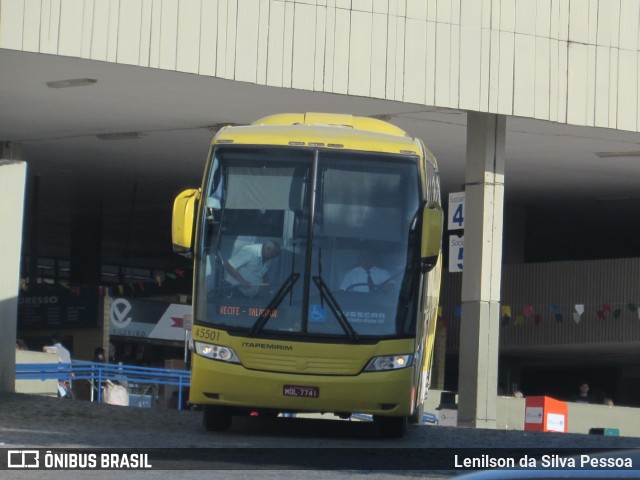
456,253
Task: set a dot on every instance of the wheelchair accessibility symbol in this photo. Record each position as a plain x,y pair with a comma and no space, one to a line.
317,314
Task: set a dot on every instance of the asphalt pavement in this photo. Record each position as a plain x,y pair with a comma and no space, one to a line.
320,446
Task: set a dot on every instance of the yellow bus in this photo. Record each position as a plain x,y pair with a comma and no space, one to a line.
316,241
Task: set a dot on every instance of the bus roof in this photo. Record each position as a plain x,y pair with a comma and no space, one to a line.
323,130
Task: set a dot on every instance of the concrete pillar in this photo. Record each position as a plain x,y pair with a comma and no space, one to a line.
12,185
479,327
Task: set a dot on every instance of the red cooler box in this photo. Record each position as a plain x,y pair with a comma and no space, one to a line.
545,414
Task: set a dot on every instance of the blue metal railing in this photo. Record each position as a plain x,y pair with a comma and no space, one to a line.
97,373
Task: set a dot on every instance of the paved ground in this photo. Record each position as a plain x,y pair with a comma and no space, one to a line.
28,420
31,421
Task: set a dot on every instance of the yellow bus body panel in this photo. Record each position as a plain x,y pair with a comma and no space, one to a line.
336,370
331,119
333,136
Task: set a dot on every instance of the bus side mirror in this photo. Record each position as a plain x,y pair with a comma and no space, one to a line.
183,224
432,222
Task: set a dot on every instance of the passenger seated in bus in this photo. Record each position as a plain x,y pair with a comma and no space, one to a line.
248,268
366,277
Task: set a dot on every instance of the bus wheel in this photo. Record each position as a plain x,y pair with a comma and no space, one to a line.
216,418
418,415
391,427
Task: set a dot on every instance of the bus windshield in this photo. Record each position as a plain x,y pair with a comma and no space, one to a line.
308,243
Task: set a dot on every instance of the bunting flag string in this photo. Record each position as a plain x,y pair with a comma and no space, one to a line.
133,286
578,312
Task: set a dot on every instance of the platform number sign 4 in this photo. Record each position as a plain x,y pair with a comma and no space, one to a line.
456,211
456,253
458,215
456,223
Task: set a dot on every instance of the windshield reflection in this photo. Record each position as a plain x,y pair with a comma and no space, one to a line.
340,221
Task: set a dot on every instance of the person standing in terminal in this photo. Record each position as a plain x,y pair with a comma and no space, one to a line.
65,389
64,356
583,396
99,356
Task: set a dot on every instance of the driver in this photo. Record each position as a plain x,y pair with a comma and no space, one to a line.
366,277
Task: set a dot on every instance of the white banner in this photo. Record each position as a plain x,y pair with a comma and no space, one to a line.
139,318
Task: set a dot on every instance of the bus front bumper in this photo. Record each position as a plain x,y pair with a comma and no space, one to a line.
386,393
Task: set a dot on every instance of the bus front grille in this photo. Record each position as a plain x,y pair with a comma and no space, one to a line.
302,365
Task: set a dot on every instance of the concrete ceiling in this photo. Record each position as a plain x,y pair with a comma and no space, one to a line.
134,181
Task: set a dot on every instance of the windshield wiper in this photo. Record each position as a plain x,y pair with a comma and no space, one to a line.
274,303
333,304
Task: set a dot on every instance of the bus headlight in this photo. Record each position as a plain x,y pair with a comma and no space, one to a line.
388,362
216,352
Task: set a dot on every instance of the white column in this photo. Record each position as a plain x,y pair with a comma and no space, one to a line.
480,323
12,186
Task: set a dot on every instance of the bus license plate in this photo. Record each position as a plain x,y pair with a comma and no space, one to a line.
299,391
